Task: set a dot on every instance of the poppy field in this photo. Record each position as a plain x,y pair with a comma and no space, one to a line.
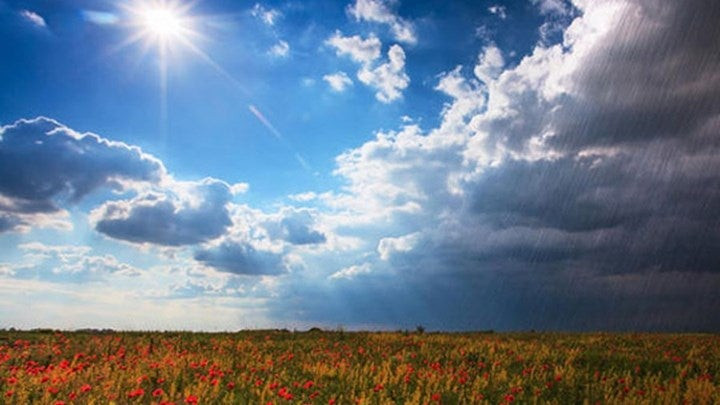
281,367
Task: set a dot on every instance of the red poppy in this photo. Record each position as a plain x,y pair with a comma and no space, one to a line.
136,393
85,388
191,399
158,392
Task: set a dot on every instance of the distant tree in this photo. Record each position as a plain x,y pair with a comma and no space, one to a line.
420,329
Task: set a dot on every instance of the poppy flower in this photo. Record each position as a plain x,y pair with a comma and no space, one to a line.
136,393
191,399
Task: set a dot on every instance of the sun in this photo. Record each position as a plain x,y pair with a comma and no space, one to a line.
162,23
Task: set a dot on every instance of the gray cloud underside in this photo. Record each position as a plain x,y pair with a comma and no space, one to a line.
43,164
168,221
241,258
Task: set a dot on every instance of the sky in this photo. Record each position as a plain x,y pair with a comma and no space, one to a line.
364,164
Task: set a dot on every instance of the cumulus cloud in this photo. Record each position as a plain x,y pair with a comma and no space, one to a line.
360,50
267,15
182,213
34,18
294,226
338,81
388,78
552,6
580,182
280,50
377,11
242,258
68,263
499,11
304,197
351,272
46,165
388,246
490,64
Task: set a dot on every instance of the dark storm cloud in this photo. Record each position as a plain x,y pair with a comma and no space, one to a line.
196,215
658,77
604,215
42,163
239,257
568,194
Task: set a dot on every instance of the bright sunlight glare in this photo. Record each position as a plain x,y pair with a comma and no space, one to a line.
162,22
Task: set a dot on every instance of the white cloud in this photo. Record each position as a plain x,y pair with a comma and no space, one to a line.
379,12
360,50
351,272
68,263
338,81
389,79
499,11
267,16
560,7
280,50
490,64
388,246
6,270
303,197
34,18
239,188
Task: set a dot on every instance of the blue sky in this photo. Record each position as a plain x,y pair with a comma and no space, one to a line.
370,163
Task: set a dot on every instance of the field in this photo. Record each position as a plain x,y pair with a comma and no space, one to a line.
278,367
